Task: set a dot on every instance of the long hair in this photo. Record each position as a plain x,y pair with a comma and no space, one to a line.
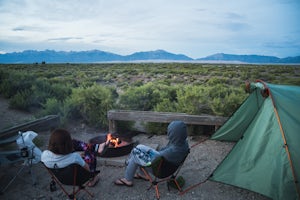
60,142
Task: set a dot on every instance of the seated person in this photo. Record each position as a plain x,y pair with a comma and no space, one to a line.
61,153
175,151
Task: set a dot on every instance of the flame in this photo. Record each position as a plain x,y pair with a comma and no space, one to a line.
114,141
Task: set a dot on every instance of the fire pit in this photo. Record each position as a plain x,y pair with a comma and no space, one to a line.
119,145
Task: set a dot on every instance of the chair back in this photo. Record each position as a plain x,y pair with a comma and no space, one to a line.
73,174
162,168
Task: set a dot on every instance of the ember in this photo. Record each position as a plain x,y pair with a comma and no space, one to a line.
119,145
114,141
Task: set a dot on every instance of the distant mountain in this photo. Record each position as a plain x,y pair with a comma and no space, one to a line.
157,55
50,56
249,58
96,56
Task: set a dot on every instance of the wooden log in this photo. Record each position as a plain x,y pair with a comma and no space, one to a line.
161,117
42,124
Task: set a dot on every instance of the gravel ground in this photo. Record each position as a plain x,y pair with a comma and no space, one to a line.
201,162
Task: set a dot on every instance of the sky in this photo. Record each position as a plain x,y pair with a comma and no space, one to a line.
195,28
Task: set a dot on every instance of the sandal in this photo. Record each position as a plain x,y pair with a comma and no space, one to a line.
122,182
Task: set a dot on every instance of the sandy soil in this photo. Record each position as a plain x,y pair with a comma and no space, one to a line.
201,162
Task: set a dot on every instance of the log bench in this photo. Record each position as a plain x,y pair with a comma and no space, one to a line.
161,117
42,124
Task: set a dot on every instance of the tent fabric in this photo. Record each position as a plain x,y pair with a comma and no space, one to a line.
260,161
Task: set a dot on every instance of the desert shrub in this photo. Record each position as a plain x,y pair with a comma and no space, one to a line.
41,90
61,91
193,100
21,100
215,80
92,103
166,105
145,97
15,82
225,100
52,107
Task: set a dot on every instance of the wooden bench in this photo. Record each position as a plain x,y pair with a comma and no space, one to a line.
161,117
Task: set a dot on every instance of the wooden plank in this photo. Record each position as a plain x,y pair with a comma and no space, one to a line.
164,117
41,124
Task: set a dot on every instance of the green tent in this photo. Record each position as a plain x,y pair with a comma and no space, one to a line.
266,157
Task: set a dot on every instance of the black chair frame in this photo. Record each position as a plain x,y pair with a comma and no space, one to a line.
73,175
163,171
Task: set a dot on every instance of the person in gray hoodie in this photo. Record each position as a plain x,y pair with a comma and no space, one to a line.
175,151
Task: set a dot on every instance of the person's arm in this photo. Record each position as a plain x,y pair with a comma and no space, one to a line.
86,166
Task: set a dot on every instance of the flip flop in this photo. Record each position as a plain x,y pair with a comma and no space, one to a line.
138,176
121,182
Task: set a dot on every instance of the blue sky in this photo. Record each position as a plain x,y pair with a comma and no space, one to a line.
196,28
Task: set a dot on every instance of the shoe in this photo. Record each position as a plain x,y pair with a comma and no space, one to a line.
122,182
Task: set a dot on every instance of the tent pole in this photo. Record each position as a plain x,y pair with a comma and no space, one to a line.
284,140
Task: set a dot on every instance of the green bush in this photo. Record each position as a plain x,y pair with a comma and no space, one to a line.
225,100
52,107
21,100
193,100
92,103
14,82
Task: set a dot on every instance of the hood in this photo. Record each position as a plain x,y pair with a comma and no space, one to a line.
177,133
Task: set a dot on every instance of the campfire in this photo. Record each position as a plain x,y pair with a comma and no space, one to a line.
119,145
113,141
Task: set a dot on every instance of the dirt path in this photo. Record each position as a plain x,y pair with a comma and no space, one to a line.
199,165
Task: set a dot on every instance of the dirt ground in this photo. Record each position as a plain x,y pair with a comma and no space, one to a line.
201,162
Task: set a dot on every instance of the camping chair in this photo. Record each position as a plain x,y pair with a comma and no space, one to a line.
16,155
163,171
72,175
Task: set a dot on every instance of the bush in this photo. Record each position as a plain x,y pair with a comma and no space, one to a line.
21,100
193,100
225,100
52,107
15,82
146,97
92,103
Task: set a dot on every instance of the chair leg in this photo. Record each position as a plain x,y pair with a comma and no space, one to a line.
12,180
177,185
157,191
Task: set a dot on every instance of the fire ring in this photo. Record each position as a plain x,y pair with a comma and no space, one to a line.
123,147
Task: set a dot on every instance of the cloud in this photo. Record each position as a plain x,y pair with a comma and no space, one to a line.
27,28
64,39
191,27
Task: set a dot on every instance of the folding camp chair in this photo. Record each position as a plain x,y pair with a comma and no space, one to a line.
163,171
22,153
72,175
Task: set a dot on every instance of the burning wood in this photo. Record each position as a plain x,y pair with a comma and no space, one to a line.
113,141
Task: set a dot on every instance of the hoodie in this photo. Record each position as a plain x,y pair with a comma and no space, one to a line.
178,147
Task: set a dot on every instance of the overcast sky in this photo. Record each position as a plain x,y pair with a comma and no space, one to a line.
196,28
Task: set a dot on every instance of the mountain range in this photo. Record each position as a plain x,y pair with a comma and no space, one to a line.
97,56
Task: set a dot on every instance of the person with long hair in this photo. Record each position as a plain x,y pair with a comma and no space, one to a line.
61,153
